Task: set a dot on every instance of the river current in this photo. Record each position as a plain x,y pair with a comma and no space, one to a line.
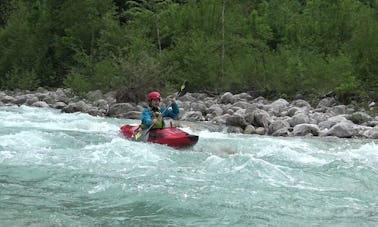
59,169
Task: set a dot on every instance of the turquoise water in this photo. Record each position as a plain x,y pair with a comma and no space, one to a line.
76,170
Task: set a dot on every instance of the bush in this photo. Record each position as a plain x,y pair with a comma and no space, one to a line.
18,79
78,83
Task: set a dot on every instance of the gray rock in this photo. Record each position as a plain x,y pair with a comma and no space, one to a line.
59,105
327,124
214,111
227,97
338,110
198,106
234,129
305,129
299,118
281,132
193,116
8,99
41,104
278,125
242,104
80,106
130,115
220,119
94,95
249,129
278,106
117,109
373,134
261,118
236,120
260,131
31,99
326,102
343,130
301,103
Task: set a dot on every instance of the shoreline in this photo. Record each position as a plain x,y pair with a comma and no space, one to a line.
239,113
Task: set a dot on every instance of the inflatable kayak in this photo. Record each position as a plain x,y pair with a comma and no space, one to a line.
173,137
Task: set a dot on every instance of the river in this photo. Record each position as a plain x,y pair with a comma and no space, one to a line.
59,169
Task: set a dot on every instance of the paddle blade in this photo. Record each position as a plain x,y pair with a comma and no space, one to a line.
136,136
182,90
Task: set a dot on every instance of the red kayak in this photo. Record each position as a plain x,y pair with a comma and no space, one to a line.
173,137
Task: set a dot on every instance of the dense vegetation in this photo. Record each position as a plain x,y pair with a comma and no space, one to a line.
276,47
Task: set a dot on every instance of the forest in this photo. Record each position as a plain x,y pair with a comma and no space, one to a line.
276,48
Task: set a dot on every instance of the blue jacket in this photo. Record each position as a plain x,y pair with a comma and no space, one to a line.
148,114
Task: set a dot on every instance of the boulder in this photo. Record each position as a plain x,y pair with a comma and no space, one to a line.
227,97
118,109
236,120
305,129
343,129
193,116
41,104
249,129
277,125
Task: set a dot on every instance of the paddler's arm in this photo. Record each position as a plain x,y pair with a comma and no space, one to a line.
146,118
172,113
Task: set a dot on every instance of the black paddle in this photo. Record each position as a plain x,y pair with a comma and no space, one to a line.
141,136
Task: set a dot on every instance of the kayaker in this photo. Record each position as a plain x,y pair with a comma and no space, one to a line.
154,113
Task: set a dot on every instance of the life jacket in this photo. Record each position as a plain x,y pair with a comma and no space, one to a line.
155,115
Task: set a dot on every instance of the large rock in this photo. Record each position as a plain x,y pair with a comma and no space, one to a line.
130,115
327,124
343,129
261,118
42,104
220,119
242,104
337,110
278,106
277,125
193,116
373,134
117,109
305,129
249,129
94,95
198,106
227,97
299,118
281,132
80,106
326,102
8,99
214,111
300,103
236,120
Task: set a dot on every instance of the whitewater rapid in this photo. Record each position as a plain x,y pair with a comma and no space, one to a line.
63,169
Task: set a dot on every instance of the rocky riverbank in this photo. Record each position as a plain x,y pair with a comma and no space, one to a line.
239,113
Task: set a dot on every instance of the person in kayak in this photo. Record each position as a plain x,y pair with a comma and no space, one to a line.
154,113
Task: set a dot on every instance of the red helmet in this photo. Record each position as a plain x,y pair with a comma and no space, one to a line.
153,95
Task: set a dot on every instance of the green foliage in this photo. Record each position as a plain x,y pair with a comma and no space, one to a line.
277,47
5,11
20,79
324,26
77,82
364,50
